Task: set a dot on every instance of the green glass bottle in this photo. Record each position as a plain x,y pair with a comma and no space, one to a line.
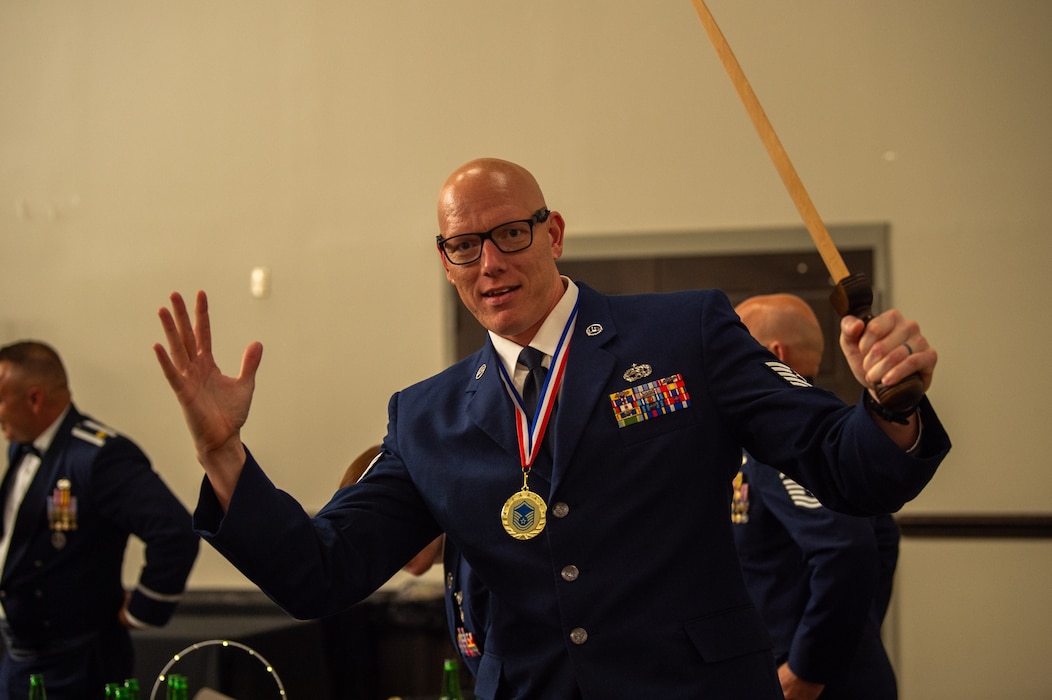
451,681
177,687
36,687
132,686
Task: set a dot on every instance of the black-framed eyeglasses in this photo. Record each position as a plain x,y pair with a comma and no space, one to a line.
466,248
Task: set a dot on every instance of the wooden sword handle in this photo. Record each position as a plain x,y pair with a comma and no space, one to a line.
853,293
853,296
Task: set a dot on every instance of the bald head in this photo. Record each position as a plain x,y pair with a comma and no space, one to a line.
785,325
481,184
512,292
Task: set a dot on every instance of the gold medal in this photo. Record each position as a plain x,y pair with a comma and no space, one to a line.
523,515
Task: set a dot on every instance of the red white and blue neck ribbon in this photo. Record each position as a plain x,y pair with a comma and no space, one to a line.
530,439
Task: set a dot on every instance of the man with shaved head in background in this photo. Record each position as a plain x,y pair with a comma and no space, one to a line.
821,579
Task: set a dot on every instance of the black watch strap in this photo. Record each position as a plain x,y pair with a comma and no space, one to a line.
900,417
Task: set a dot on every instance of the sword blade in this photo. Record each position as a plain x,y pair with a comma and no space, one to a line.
822,240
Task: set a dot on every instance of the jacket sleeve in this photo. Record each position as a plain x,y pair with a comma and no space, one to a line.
842,562
138,501
320,565
836,450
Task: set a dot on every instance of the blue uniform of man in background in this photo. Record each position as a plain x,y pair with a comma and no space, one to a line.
74,492
821,580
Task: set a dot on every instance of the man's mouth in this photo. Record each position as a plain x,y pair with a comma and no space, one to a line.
498,292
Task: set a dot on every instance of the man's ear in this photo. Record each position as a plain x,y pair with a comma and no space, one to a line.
35,397
556,226
780,351
445,264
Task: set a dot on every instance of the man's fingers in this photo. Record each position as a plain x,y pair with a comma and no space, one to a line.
187,340
175,380
175,345
181,342
202,327
902,364
893,348
250,362
171,335
851,327
887,350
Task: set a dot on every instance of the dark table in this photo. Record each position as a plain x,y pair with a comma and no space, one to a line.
388,645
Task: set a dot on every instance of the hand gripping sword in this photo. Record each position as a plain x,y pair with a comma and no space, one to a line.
853,294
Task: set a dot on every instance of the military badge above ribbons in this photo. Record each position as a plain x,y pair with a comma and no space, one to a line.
645,401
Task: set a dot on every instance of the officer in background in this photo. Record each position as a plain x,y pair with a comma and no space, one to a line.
822,580
73,492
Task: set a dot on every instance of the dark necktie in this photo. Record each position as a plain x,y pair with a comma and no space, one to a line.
531,358
18,453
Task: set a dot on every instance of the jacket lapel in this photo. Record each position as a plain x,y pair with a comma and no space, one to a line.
587,374
488,403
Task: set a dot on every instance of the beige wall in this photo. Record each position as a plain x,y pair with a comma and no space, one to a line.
150,147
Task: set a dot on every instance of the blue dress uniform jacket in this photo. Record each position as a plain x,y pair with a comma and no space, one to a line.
822,581
633,589
61,588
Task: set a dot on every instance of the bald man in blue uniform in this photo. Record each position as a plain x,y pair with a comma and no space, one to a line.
822,580
605,546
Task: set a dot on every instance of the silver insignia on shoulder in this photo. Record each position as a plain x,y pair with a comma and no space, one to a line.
637,372
786,372
801,497
97,437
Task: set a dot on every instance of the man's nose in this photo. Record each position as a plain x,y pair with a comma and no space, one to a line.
492,257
